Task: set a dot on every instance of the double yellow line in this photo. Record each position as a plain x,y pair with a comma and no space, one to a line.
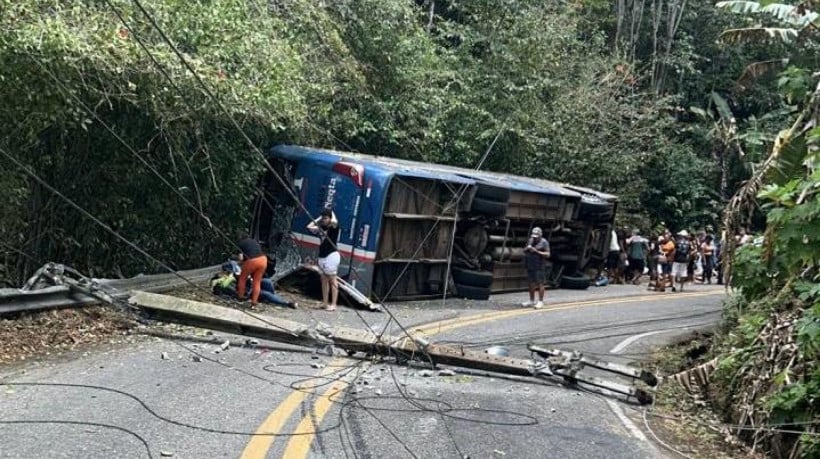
299,444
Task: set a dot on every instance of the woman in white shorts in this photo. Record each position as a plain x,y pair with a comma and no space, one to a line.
327,228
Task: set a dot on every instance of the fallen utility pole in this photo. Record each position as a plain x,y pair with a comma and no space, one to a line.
551,363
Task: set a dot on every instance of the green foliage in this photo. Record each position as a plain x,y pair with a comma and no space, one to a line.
808,327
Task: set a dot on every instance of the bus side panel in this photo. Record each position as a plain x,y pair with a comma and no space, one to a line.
357,204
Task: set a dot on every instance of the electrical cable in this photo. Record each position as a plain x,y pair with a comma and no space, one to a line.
527,337
162,418
122,238
259,152
211,95
133,151
85,423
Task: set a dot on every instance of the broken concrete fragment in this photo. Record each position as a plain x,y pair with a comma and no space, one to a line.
426,373
317,365
446,373
164,356
224,346
166,454
378,391
196,358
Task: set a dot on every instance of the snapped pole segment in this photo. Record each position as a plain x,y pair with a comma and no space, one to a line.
567,365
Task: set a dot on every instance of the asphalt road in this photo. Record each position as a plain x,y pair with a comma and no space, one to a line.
182,399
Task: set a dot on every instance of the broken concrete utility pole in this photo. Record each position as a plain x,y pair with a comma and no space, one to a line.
563,364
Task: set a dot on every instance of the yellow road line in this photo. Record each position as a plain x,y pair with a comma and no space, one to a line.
452,324
299,446
259,445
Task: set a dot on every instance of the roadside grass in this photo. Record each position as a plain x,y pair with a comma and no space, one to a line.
685,421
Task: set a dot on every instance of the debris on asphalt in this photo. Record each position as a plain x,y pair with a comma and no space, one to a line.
164,356
317,365
252,342
166,454
446,373
499,453
196,358
378,391
224,346
425,373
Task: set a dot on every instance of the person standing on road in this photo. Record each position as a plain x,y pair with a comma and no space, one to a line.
613,257
636,249
708,251
254,263
665,260
327,228
681,259
535,253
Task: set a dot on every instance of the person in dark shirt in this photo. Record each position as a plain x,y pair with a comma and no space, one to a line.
535,253
327,228
254,264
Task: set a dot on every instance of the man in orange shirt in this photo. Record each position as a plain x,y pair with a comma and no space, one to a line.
668,254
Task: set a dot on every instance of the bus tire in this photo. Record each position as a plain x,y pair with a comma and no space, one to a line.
473,293
575,282
472,277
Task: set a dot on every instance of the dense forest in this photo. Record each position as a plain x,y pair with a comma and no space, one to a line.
151,115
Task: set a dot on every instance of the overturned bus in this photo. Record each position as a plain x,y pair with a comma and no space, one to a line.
413,230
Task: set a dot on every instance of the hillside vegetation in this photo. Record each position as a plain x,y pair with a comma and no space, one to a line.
152,115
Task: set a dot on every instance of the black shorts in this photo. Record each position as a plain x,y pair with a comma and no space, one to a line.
636,264
613,259
536,276
666,268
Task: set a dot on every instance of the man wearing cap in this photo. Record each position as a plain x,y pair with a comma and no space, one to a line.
681,259
535,253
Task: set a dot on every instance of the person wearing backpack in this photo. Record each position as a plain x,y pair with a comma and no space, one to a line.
683,247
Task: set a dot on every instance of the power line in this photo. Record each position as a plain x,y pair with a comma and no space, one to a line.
91,217
131,150
119,236
247,139
87,424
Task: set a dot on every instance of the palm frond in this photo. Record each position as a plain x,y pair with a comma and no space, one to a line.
755,70
742,204
759,35
790,14
740,7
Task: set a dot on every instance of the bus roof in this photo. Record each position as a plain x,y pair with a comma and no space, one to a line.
461,175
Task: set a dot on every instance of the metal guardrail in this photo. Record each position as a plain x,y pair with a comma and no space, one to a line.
60,296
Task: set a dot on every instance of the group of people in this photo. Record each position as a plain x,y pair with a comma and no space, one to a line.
671,260
251,263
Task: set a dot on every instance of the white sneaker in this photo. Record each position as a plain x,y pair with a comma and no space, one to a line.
527,304
539,305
